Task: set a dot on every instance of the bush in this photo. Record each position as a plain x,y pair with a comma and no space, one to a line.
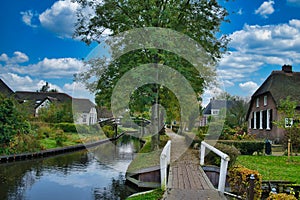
44,131
66,127
239,180
231,151
60,137
24,143
108,131
281,196
246,147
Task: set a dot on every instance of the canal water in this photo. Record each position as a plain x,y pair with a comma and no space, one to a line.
84,175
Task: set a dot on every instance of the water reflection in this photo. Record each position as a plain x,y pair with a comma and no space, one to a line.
79,175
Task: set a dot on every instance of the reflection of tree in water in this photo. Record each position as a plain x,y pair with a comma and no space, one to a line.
16,178
117,190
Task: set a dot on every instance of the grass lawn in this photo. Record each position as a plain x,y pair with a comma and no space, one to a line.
71,139
273,167
156,194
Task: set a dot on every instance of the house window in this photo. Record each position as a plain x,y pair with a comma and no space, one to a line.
254,121
214,112
84,118
265,100
257,102
288,122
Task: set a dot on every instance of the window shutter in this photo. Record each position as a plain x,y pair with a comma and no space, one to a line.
257,119
264,122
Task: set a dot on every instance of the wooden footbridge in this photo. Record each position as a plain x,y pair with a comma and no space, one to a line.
186,179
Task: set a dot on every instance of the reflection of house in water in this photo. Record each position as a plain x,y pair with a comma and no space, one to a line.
214,108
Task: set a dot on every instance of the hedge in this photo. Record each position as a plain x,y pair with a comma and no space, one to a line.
246,147
281,196
239,180
66,127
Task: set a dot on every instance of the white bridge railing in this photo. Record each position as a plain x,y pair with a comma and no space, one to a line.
165,158
224,163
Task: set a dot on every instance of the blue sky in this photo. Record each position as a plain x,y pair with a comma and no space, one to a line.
37,45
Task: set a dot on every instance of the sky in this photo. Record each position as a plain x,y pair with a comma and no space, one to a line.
36,44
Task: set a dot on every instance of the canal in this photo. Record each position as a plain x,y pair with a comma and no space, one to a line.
98,173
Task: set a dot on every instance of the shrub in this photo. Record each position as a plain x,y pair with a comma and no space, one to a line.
239,180
231,151
246,147
281,196
108,131
66,127
60,137
24,143
44,131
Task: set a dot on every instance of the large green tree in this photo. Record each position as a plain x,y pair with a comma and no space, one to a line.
199,20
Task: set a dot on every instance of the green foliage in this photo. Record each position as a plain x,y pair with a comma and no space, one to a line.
236,115
281,196
287,109
60,137
231,151
57,113
44,131
11,122
66,127
108,131
246,147
181,16
239,180
155,194
24,143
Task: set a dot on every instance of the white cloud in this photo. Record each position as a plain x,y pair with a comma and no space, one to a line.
18,57
60,18
255,47
51,68
265,9
27,18
25,83
249,87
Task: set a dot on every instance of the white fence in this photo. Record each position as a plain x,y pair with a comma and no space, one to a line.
165,158
224,163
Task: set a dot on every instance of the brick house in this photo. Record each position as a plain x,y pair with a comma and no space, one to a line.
264,103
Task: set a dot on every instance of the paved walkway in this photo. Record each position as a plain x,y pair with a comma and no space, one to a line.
187,180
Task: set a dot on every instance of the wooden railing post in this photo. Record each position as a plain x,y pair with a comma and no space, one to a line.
224,163
165,159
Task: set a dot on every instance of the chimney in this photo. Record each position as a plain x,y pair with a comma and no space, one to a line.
287,68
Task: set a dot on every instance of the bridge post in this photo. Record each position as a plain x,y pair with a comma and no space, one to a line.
165,158
224,163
